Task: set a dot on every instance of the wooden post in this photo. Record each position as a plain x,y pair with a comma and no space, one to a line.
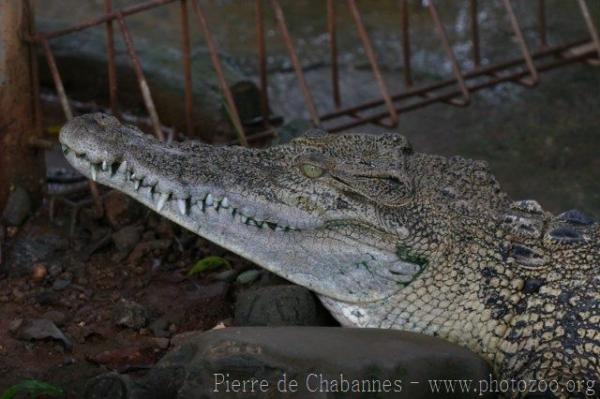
20,163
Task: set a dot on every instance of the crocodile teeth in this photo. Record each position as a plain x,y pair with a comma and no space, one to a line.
104,166
136,184
209,200
224,203
181,204
162,200
122,167
94,172
243,218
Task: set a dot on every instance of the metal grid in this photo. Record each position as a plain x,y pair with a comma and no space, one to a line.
384,111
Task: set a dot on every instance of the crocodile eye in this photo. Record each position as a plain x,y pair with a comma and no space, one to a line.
312,171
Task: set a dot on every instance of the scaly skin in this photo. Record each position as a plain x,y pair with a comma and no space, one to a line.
386,237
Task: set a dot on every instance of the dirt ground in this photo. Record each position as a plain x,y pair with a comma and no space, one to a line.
109,295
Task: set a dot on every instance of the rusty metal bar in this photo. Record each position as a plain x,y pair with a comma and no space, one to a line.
585,11
214,56
60,89
466,98
29,30
482,72
64,101
112,68
187,67
139,73
542,23
448,96
473,6
262,62
406,50
366,43
533,78
331,29
281,23
123,12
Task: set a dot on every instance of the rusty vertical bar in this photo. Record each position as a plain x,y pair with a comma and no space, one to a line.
585,11
29,30
473,9
262,61
366,43
139,73
20,164
187,67
60,89
406,50
450,53
214,56
533,74
112,68
64,101
310,103
331,29
542,23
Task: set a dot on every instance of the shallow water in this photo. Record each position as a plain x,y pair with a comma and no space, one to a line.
542,143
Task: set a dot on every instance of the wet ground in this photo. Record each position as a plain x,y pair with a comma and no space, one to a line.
542,144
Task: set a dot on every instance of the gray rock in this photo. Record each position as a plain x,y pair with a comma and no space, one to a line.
57,317
279,305
127,237
248,276
17,208
318,362
60,284
32,246
130,314
40,329
226,275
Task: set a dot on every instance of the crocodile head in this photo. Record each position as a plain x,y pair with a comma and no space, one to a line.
347,205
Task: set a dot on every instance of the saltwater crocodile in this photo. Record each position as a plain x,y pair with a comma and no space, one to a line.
385,236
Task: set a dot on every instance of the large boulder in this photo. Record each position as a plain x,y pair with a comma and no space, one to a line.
300,362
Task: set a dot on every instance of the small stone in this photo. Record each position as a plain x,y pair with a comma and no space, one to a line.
17,208
55,270
56,316
127,237
39,329
60,284
225,275
130,314
248,276
38,272
18,294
